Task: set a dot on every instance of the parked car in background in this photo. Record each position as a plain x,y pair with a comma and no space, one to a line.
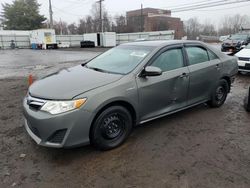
235,43
100,102
63,44
223,38
244,59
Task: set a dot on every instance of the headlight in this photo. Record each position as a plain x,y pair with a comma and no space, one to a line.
57,107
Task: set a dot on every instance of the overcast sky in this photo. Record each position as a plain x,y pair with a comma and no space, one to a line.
73,10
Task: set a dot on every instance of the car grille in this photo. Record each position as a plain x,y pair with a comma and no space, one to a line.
230,44
245,68
35,103
244,58
58,136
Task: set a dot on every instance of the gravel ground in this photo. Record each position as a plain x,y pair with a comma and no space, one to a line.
199,147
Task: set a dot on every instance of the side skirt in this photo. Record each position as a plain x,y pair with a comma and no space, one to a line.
172,112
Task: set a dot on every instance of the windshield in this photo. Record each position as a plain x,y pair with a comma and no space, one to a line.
120,60
238,37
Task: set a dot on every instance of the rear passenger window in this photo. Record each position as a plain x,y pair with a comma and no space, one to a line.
169,60
196,55
212,56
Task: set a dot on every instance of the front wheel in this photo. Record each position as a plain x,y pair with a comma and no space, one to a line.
111,128
219,94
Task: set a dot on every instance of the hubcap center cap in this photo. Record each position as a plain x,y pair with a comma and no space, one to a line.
112,127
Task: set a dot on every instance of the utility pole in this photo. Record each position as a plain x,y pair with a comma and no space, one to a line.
141,18
50,15
61,27
101,20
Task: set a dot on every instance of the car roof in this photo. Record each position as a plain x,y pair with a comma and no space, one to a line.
162,43
159,43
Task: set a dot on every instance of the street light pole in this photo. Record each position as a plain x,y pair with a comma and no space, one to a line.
50,15
141,18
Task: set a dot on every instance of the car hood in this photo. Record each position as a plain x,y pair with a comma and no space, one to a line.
229,41
68,83
243,53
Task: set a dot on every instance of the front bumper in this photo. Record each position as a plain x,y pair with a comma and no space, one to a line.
64,130
244,66
231,49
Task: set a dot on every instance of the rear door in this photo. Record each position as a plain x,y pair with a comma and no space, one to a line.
204,67
165,93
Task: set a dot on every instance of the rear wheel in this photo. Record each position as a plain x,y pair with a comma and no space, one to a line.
111,128
219,94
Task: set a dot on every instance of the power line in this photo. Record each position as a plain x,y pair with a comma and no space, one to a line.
101,21
208,6
77,15
200,5
181,5
77,3
196,6
223,8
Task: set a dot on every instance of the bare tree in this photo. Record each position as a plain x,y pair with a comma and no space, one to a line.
72,28
120,25
95,14
208,29
82,26
61,28
192,28
89,24
232,24
107,22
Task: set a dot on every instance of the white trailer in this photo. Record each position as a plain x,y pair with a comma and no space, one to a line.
43,39
108,39
154,35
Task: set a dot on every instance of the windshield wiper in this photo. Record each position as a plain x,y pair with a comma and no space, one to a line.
102,70
96,69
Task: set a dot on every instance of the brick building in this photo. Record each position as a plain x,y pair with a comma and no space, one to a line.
150,19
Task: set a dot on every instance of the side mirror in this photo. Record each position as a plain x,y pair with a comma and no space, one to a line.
151,71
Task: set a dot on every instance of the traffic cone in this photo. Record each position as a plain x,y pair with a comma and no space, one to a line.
30,80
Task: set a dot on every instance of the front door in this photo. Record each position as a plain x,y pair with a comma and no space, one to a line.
165,93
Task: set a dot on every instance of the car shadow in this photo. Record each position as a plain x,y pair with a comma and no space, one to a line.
67,156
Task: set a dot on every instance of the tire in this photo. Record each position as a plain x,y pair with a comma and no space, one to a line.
111,128
219,94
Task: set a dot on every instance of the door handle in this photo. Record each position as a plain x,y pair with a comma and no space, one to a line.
218,66
184,75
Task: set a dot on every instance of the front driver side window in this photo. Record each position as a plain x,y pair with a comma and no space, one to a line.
169,60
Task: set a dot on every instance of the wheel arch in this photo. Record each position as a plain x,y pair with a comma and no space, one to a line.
227,78
122,103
